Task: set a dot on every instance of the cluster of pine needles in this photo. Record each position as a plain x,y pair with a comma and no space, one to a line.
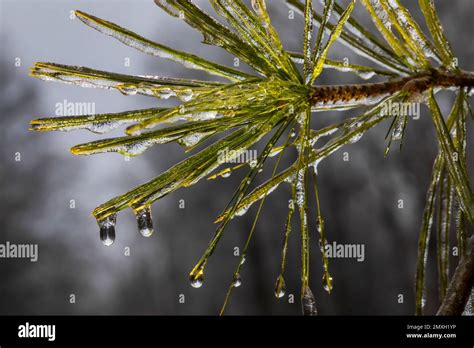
276,102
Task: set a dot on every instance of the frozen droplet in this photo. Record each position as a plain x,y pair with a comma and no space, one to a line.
197,283
107,229
355,138
280,287
366,75
197,278
192,139
398,128
289,179
206,115
308,302
319,225
165,93
102,127
242,260
128,89
300,189
144,222
256,5
315,165
237,281
423,300
327,282
253,163
185,95
322,243
133,149
210,39
242,210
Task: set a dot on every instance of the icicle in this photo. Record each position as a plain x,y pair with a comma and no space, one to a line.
107,229
196,277
398,128
144,221
280,287
308,302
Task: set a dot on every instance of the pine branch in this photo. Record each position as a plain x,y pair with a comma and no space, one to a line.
415,84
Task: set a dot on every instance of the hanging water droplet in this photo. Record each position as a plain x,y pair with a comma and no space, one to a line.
107,229
308,302
292,134
327,282
144,222
237,281
197,280
226,174
280,287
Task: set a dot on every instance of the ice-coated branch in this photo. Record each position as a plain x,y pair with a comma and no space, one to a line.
370,93
461,284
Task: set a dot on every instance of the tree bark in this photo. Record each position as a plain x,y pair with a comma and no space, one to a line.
460,288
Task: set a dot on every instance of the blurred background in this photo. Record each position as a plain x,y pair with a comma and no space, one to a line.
359,197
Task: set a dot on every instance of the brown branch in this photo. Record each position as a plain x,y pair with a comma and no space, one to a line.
415,84
460,288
